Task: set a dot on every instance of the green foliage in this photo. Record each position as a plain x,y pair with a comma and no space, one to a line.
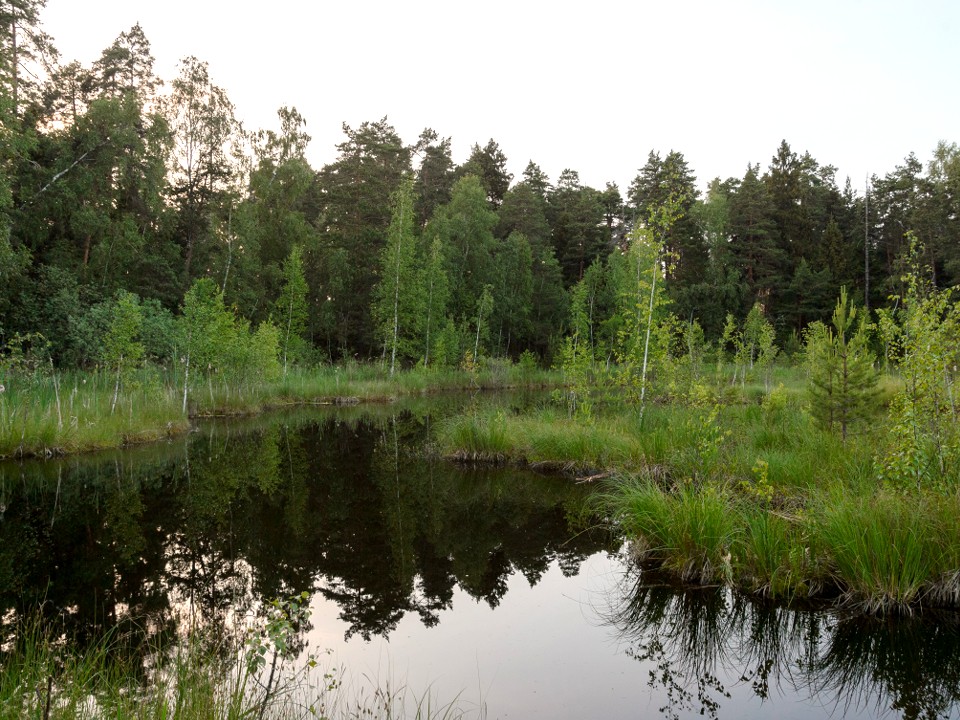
201,172
398,298
528,362
448,343
290,310
843,381
208,328
484,310
669,183
435,285
121,348
26,354
683,361
512,293
353,200
466,225
576,361
579,232
752,345
578,352
262,353
924,340
216,342
637,278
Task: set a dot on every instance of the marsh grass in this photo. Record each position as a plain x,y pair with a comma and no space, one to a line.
546,440
476,437
44,414
883,553
753,494
889,552
687,530
771,557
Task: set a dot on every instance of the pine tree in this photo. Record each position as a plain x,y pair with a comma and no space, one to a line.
843,381
354,211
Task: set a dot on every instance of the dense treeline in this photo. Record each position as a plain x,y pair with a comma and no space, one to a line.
120,192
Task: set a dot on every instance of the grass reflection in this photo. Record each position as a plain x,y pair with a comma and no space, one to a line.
710,648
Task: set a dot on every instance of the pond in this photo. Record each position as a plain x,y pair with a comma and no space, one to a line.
492,586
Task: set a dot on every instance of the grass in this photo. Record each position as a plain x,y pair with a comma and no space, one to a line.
547,440
687,531
880,553
769,557
889,551
45,414
42,415
750,493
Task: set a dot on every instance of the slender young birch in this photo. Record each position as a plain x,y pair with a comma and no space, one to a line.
397,297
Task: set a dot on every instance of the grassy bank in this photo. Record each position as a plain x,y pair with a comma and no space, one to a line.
50,413
750,493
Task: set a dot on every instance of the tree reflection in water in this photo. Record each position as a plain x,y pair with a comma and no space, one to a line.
208,528
346,505
708,647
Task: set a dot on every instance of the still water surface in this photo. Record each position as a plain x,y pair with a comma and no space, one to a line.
493,586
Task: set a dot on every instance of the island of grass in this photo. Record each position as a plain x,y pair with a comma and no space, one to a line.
742,485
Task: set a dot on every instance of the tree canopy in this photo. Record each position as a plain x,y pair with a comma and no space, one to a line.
115,180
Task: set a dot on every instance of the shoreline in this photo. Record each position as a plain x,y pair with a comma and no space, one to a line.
49,419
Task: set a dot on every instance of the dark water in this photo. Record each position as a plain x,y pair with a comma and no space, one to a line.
490,585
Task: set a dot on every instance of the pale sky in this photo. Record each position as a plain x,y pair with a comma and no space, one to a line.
592,86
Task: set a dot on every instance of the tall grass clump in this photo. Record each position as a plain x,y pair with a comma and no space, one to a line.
689,530
884,551
771,557
566,442
476,436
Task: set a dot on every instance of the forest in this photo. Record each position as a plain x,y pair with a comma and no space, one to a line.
127,198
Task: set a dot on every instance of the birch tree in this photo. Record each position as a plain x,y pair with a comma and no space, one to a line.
398,301
291,309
